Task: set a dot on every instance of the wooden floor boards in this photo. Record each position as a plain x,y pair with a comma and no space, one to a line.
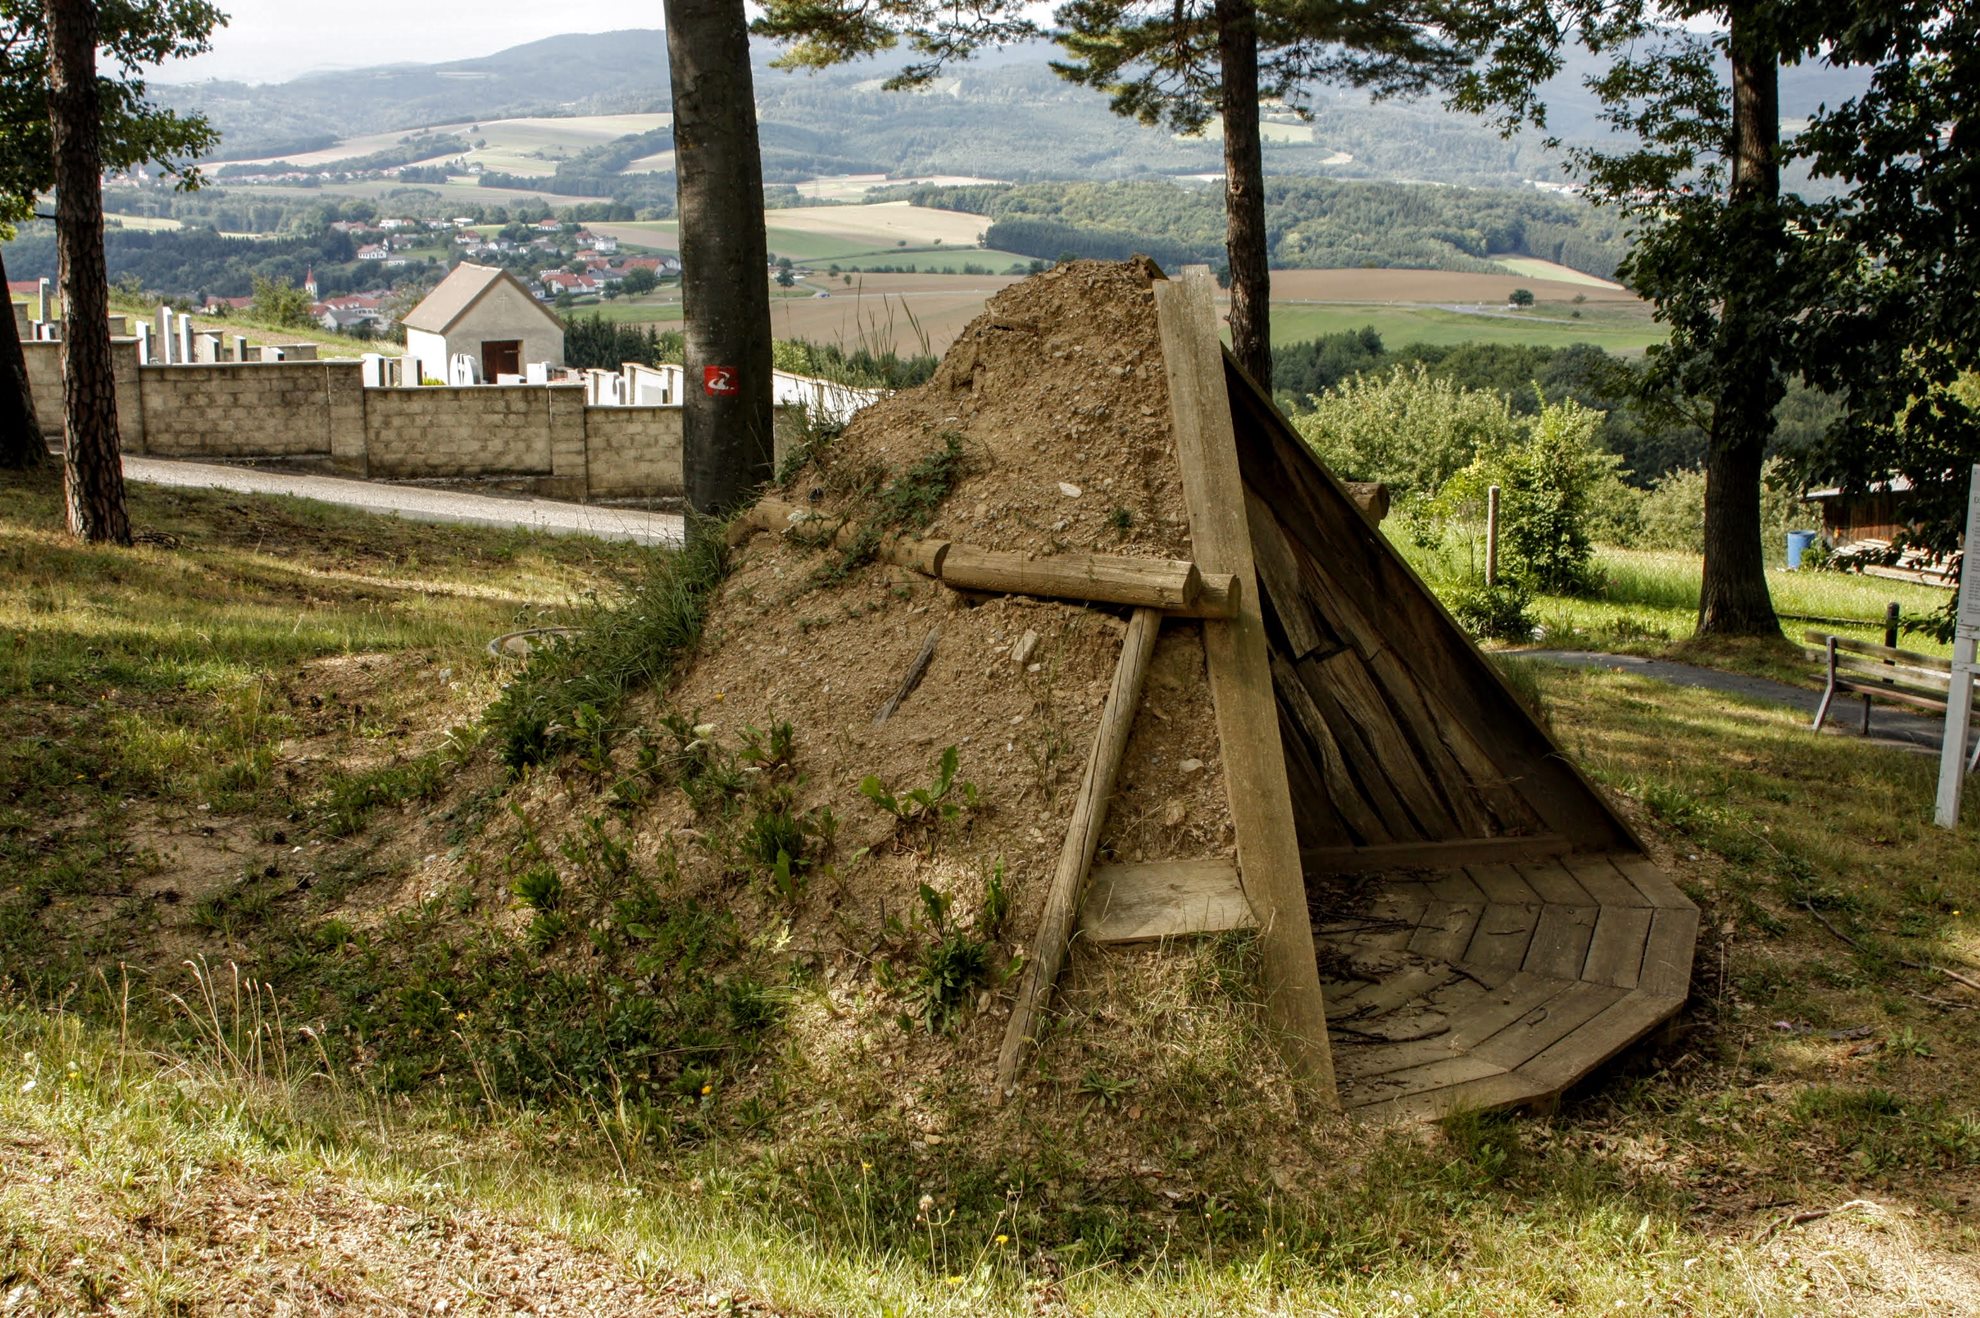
1500,985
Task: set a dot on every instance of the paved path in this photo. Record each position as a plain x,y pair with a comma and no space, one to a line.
1845,716
419,503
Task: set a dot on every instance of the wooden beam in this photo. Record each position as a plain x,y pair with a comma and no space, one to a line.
1433,855
1175,586
1164,899
1103,764
1241,676
1146,583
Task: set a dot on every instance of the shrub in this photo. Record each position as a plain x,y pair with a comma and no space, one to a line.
1554,480
1406,429
1497,612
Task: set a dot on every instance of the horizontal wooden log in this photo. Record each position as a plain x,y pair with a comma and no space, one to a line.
1151,583
1174,586
1432,855
1372,497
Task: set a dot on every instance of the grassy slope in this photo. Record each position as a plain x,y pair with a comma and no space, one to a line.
142,686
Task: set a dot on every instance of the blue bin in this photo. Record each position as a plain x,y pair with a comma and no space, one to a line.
1798,542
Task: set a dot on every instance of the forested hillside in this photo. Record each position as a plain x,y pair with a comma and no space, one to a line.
1005,115
1313,223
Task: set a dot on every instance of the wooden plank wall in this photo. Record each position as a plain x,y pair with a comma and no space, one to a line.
1396,728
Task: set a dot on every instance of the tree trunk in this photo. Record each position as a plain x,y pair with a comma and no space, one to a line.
21,444
725,282
1244,191
94,479
1733,600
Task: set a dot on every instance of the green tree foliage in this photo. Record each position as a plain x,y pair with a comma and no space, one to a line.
1900,338
1520,297
133,37
278,302
594,343
1312,223
1555,483
1407,429
1869,293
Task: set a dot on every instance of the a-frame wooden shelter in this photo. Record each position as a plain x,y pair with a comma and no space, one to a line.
1510,933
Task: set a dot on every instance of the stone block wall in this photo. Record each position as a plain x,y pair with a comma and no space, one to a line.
44,369
272,409
633,451
477,430
322,409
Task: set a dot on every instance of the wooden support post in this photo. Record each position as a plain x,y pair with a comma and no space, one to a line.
1103,764
1241,676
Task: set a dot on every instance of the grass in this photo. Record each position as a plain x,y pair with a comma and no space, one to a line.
1618,328
261,333
1648,605
574,1053
134,695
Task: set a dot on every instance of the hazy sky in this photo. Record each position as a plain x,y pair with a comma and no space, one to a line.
270,40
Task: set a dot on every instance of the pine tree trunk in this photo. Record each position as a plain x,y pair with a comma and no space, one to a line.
728,444
21,443
1244,191
94,479
1733,600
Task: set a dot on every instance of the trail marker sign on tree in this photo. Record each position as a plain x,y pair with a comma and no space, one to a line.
1959,697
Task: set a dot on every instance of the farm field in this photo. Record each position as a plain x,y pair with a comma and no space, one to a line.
1619,329
1532,267
459,191
515,146
141,223
925,311
893,230
854,187
1442,287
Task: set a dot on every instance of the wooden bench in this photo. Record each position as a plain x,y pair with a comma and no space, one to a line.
1882,672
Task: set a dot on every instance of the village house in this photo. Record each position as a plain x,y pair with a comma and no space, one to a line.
484,314
558,281
374,252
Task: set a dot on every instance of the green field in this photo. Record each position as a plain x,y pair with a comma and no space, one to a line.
1620,329
465,195
811,236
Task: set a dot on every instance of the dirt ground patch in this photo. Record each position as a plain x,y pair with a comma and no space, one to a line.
230,1240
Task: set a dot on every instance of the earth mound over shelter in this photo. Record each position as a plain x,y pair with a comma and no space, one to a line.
1089,571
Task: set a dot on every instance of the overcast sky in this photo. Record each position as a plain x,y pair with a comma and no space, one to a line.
271,40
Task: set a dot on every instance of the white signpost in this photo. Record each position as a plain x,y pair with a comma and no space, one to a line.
1966,638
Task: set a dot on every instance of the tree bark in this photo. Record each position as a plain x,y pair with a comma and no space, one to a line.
94,471
728,446
21,444
1733,600
1244,191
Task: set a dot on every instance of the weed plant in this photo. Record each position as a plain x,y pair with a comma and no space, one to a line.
567,693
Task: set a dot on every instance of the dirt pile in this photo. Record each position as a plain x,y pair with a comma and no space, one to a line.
1056,403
